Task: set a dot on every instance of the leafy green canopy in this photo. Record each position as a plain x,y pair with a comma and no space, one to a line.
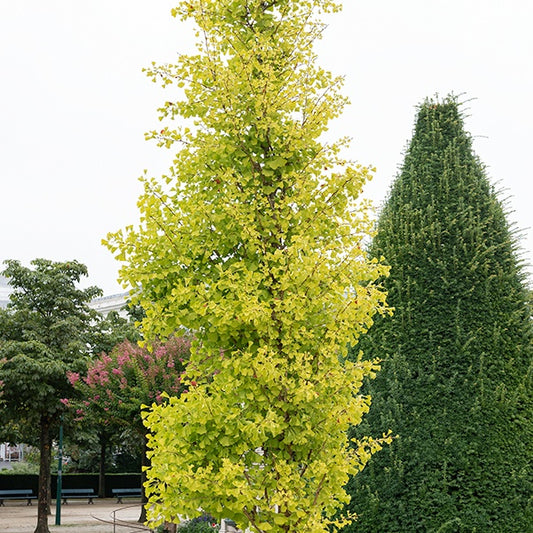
112,330
456,381
254,242
43,334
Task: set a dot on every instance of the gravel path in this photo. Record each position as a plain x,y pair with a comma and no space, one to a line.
105,516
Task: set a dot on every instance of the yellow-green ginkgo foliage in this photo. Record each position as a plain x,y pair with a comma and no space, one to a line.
254,242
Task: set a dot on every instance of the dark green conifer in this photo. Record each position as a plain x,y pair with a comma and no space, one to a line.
455,383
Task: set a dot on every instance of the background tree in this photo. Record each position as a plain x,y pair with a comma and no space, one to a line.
456,381
112,330
253,242
117,386
88,445
43,335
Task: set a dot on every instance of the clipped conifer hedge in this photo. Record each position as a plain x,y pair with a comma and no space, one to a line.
455,384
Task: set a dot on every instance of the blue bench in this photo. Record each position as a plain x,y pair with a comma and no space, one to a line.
77,494
126,493
17,494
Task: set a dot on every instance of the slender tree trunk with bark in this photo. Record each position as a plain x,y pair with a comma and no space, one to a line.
101,470
49,491
43,502
145,464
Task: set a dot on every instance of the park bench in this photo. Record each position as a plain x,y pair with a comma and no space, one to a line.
78,494
16,494
126,493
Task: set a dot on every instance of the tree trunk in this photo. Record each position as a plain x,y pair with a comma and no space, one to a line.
101,470
43,506
49,488
145,464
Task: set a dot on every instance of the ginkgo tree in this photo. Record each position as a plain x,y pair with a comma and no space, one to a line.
254,241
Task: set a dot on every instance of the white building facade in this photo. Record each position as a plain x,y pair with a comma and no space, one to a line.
103,305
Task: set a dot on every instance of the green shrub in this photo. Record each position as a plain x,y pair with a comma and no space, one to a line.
20,468
200,524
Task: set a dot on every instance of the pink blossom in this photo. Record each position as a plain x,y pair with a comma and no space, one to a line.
73,377
122,359
64,401
132,366
104,377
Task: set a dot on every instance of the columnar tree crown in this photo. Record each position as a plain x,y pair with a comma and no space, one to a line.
253,241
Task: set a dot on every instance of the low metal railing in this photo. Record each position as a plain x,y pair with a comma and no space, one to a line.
122,524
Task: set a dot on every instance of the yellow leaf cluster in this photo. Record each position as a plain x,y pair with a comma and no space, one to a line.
255,243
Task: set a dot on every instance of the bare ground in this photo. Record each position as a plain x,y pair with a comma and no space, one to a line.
105,516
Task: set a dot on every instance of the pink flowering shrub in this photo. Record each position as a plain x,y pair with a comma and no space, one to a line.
118,384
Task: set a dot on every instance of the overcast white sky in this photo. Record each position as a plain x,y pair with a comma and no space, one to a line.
75,105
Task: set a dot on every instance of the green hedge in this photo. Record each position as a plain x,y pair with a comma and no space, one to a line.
71,481
455,383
